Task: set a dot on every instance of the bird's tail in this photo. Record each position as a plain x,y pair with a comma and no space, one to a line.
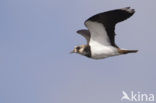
127,51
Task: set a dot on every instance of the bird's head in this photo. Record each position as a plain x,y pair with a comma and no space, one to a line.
78,49
82,49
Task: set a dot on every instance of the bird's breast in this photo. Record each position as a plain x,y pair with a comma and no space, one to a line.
103,52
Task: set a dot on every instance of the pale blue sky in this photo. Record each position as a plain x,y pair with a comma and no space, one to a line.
36,67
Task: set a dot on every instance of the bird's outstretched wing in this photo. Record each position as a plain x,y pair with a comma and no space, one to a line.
85,33
102,25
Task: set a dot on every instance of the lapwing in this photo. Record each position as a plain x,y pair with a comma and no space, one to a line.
100,34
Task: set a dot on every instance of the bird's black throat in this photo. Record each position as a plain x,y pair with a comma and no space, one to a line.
87,51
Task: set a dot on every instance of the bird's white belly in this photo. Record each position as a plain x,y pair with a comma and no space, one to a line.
103,52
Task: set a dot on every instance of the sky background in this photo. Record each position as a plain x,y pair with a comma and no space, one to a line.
36,37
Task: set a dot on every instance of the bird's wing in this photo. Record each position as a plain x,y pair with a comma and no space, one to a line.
85,33
102,25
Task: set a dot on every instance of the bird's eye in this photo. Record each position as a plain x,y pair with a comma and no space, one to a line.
78,48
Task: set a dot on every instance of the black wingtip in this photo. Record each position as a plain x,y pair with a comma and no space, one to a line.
80,31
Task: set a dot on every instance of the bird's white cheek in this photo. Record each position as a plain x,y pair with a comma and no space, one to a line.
81,50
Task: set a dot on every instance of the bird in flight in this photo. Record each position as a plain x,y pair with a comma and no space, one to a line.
100,34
